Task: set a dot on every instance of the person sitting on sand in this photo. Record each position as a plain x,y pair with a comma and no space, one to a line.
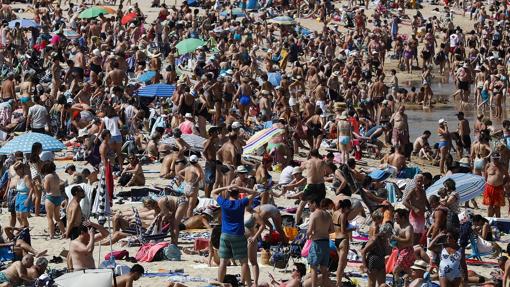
20,242
421,146
200,221
16,273
127,280
132,175
38,269
122,220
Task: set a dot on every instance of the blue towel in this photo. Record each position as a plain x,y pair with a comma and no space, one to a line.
392,192
6,254
379,175
409,172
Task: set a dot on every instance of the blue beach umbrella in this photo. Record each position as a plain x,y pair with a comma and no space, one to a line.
274,78
25,141
468,185
147,76
157,90
24,23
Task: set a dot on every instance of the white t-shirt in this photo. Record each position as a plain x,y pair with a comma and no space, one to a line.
39,116
112,124
286,175
454,40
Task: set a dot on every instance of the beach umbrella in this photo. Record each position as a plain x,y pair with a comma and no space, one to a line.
68,33
128,18
93,12
25,141
189,45
283,20
236,12
101,208
468,185
147,76
274,78
157,90
195,142
24,23
260,138
85,278
109,9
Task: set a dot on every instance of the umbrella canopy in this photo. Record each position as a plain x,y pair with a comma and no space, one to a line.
128,18
274,78
109,9
467,185
83,278
157,90
24,23
283,20
24,143
147,76
236,12
195,142
189,45
260,138
68,33
93,12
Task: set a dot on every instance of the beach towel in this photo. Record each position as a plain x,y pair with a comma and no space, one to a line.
148,251
379,175
392,192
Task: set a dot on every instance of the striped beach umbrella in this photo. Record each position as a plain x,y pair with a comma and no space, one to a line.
23,23
25,141
195,142
157,90
101,208
467,185
260,138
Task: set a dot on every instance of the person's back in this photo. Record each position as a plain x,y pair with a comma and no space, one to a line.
315,168
38,115
127,280
232,215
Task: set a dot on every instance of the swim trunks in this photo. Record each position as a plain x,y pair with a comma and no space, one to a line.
314,192
319,253
232,246
494,195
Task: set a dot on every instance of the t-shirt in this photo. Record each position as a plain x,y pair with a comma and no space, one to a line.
286,175
454,40
112,124
232,215
39,116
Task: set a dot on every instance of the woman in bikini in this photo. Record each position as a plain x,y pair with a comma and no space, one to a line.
342,230
373,255
344,137
480,151
264,178
51,185
315,126
35,164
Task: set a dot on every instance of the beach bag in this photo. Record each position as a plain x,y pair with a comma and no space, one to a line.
306,248
118,255
172,253
279,257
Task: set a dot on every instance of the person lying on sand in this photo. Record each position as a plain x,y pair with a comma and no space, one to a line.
127,280
20,241
16,273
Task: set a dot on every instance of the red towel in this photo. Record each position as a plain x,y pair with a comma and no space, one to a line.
148,251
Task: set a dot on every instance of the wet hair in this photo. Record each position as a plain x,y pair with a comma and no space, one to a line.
137,268
77,231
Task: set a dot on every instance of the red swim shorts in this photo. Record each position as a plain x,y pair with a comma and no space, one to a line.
494,195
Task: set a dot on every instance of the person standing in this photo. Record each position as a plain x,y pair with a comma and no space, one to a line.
464,134
233,243
24,190
211,145
51,186
315,189
494,196
415,200
400,134
342,231
192,175
403,239
74,215
319,228
38,117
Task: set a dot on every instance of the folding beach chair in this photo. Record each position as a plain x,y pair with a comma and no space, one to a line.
475,253
154,233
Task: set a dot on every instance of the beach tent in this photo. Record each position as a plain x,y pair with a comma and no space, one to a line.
86,278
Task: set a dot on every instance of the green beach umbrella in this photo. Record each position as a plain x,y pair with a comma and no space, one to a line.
189,45
93,12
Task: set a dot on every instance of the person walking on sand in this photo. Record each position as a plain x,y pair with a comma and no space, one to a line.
51,185
192,175
403,237
315,189
319,228
494,194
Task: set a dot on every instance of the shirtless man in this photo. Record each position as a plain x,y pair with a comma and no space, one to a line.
404,240
38,269
244,95
496,178
464,133
116,77
16,273
415,200
315,189
397,159
73,212
229,155
127,280
7,91
421,146
79,65
400,134
80,250
192,175
319,228
261,216
211,145
166,171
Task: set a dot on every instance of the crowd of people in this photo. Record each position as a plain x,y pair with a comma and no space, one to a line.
331,95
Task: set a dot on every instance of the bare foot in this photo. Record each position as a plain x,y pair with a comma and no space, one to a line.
42,253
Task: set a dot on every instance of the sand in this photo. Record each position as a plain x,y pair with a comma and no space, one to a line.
195,265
